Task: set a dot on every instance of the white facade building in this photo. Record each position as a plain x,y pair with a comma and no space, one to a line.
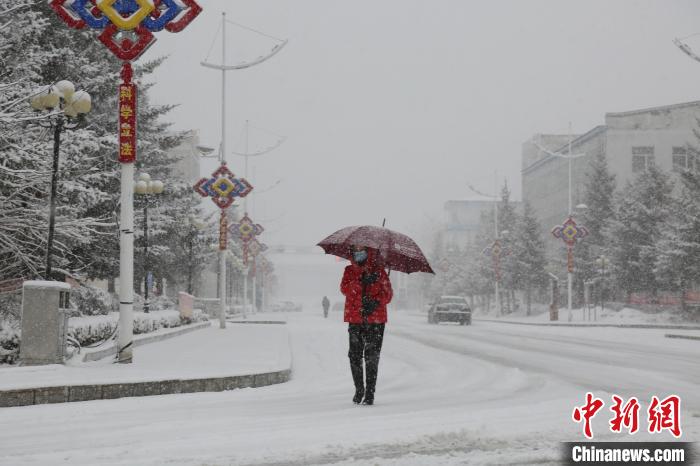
630,141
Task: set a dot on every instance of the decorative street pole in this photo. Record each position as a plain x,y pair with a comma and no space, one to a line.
602,262
223,67
496,251
223,187
246,231
255,248
195,225
73,104
147,188
569,232
569,226
127,31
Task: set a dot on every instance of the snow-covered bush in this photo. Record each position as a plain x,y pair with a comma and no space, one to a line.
91,301
160,303
9,341
145,323
10,305
91,330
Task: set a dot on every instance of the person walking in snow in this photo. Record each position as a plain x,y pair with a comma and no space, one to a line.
326,304
367,292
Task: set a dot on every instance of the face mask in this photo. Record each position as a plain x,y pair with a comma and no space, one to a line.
359,256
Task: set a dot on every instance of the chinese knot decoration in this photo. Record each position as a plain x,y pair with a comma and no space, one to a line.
569,232
223,187
246,231
138,18
253,248
496,251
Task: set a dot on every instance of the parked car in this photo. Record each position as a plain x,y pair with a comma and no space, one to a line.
450,309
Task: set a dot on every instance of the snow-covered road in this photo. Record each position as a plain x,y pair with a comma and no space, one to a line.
486,394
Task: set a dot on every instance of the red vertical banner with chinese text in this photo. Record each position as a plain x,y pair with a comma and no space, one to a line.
223,231
127,123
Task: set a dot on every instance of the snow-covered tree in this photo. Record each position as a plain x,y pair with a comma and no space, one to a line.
38,50
599,191
508,223
529,259
642,209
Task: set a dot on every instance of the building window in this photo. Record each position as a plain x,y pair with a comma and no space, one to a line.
682,160
642,158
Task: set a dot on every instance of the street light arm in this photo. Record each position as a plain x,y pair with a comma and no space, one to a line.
275,50
685,48
272,186
555,154
476,191
261,152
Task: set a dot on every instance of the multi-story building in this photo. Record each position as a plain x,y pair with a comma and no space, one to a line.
463,220
188,156
631,141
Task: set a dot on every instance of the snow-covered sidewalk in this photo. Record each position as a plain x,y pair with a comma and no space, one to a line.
626,317
206,353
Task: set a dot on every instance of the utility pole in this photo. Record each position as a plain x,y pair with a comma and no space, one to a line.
223,67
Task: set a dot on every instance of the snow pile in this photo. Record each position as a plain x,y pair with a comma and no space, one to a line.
605,316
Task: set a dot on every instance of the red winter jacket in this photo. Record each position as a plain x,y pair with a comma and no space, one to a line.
351,287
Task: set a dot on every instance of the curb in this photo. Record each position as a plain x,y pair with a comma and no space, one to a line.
549,324
143,340
71,393
685,337
256,322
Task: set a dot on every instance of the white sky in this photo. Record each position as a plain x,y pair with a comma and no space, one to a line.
391,107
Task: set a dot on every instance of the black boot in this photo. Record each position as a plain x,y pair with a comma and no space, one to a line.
372,365
358,378
373,348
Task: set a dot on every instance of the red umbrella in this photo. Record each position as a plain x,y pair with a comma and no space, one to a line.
398,251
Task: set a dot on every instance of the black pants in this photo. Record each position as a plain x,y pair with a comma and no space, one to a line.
365,343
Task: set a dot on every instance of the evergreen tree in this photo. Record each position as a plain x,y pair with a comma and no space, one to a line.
529,255
678,262
599,191
508,222
38,50
642,210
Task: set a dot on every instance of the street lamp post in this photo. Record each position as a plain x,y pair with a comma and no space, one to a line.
570,227
602,262
126,29
72,104
495,248
247,154
223,67
147,188
195,225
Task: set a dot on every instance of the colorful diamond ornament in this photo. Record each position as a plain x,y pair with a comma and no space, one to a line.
127,25
246,230
569,232
223,187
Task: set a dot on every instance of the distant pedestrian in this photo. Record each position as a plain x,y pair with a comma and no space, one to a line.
367,291
326,304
